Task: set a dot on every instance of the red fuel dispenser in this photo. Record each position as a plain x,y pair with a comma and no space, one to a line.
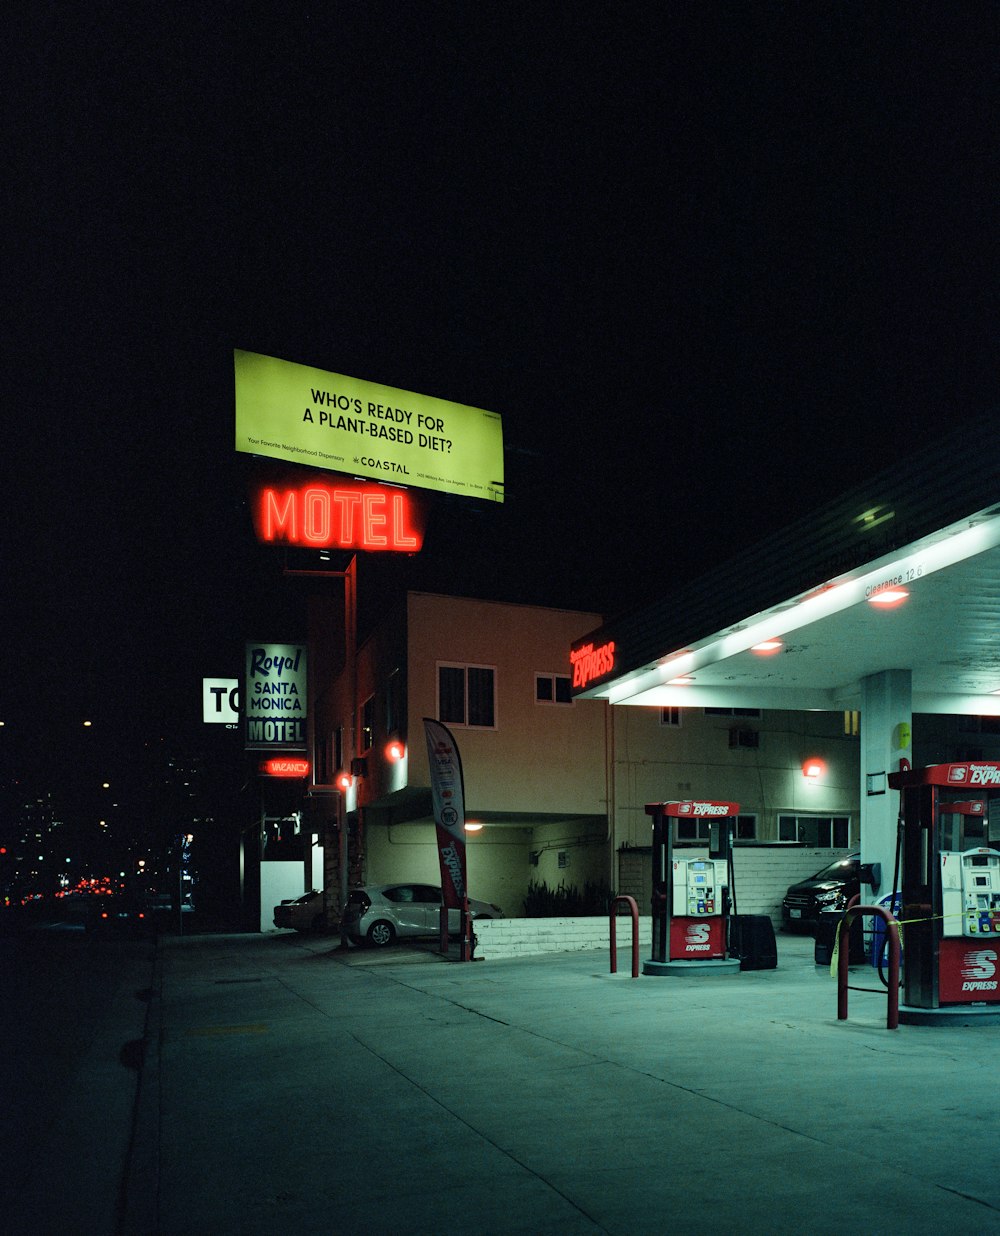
691,896
950,880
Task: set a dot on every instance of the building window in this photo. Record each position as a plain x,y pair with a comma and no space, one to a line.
395,705
467,695
670,716
831,832
746,828
328,757
367,735
552,689
699,831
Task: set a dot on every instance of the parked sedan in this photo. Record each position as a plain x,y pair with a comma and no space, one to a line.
305,913
381,913
829,889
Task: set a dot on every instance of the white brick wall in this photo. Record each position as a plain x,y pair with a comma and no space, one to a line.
527,937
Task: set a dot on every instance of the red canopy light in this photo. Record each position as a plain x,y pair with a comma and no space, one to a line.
347,515
285,766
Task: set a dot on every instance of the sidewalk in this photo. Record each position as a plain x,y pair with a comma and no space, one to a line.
291,1087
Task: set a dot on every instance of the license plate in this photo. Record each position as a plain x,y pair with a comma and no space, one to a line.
794,913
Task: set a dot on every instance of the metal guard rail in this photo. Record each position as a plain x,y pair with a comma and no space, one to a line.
634,911
844,959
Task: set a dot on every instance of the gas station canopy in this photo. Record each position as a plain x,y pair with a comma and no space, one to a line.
902,572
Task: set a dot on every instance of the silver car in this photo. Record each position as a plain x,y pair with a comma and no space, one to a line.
381,913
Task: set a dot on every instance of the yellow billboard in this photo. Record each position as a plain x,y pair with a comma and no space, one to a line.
326,420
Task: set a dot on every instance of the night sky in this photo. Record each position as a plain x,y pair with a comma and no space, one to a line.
711,263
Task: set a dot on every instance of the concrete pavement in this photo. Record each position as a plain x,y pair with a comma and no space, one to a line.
290,1086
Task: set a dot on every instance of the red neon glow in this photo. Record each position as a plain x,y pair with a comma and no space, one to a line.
589,662
285,766
348,515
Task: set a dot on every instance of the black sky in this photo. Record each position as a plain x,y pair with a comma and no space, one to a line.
711,263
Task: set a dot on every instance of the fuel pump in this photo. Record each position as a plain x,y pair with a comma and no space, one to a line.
691,896
950,820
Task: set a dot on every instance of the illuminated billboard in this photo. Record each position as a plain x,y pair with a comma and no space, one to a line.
326,420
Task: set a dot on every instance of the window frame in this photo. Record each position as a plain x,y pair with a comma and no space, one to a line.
553,679
366,725
703,829
465,666
831,818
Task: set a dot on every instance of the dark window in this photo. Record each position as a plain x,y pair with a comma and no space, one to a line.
451,694
395,705
553,689
467,695
368,723
826,831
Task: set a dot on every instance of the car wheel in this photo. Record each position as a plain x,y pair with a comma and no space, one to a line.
381,933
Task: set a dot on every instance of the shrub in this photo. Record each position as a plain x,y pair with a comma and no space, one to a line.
563,902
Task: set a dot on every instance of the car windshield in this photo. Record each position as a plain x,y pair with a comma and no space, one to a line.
842,869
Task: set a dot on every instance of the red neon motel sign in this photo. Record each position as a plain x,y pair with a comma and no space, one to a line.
345,515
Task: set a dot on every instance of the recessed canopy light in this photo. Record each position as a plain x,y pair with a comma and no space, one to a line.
889,597
683,681
473,827
767,647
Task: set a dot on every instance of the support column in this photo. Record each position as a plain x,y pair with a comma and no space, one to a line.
886,718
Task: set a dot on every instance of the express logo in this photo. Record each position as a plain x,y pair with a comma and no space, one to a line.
979,970
589,662
697,938
959,773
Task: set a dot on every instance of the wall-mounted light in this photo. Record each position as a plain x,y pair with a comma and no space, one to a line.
813,768
343,781
395,750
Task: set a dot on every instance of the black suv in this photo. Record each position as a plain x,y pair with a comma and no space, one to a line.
829,889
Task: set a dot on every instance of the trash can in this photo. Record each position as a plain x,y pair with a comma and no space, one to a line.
826,935
751,939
